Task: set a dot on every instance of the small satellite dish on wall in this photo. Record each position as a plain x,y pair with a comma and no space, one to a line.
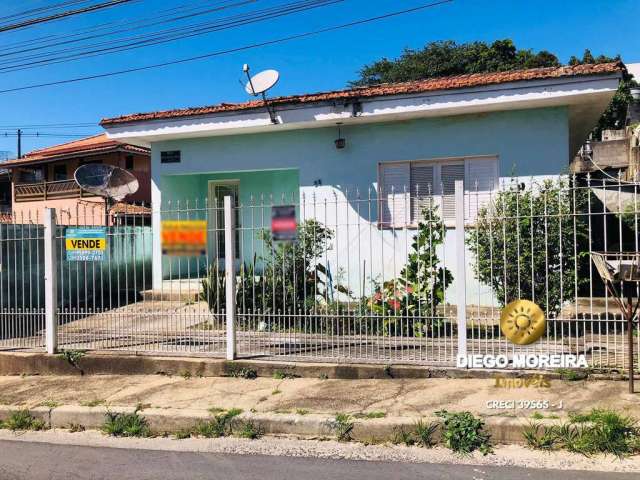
261,82
107,181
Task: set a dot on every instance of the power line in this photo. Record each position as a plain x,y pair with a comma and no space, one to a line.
165,36
231,50
45,8
60,15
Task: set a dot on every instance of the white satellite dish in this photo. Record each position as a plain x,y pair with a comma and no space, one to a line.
261,82
107,181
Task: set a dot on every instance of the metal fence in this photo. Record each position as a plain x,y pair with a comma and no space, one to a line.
387,277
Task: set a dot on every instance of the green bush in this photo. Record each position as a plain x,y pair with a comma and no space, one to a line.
23,420
463,433
420,287
126,425
599,431
342,425
527,244
220,425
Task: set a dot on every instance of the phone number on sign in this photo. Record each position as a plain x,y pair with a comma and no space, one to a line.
522,404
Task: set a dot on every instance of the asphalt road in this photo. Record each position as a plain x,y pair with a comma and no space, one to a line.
35,461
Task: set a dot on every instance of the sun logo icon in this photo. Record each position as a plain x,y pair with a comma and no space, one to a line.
522,322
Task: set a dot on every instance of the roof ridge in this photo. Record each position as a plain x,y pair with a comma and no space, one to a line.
40,150
429,84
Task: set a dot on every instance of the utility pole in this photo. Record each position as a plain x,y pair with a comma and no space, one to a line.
19,143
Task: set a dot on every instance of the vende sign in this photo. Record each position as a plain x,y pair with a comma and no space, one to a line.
284,226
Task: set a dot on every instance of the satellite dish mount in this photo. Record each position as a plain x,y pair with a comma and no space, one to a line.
259,84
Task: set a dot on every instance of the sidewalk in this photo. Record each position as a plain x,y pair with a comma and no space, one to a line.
402,399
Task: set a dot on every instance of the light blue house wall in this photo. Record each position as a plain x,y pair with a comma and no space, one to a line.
527,142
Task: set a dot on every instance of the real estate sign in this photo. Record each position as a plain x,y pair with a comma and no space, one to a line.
184,237
86,243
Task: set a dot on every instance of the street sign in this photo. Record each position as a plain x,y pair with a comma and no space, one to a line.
184,237
87,244
283,223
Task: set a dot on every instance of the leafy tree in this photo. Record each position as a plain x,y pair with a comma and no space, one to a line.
446,58
528,244
615,114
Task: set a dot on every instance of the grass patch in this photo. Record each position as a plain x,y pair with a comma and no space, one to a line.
249,429
219,426
302,411
96,402
323,376
23,420
215,410
186,375
50,404
184,433
370,415
126,425
420,434
598,431
572,375
72,356
276,392
342,425
246,373
463,433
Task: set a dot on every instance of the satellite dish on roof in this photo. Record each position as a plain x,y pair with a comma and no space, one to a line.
107,181
261,82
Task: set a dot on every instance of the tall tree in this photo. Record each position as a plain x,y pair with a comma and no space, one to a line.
445,58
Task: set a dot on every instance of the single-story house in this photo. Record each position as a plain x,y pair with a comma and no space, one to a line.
44,178
398,143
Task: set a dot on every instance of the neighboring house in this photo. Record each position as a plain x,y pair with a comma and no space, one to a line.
44,178
416,137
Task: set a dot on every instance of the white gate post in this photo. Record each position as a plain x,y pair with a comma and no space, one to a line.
50,281
230,274
461,270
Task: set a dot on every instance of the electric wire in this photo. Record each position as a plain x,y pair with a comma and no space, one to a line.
230,50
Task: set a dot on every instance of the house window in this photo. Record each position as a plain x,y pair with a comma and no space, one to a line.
407,187
170,156
59,172
32,175
128,162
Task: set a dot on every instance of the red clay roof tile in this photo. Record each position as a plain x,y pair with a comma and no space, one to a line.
419,86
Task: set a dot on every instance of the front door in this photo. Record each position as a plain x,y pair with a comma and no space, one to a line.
217,191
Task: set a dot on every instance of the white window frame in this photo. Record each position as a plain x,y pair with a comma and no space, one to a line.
437,163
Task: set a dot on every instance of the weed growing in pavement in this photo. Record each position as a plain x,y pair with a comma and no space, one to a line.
302,411
463,433
402,435
219,426
537,416
539,436
284,374
276,392
23,420
246,373
387,371
215,410
249,429
72,356
342,425
598,431
370,415
184,433
424,433
50,404
186,375
421,434
572,375
323,376
126,425
76,427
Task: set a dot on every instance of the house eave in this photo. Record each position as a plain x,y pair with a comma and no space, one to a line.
587,93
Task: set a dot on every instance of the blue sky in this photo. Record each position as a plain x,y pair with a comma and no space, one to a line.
323,62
